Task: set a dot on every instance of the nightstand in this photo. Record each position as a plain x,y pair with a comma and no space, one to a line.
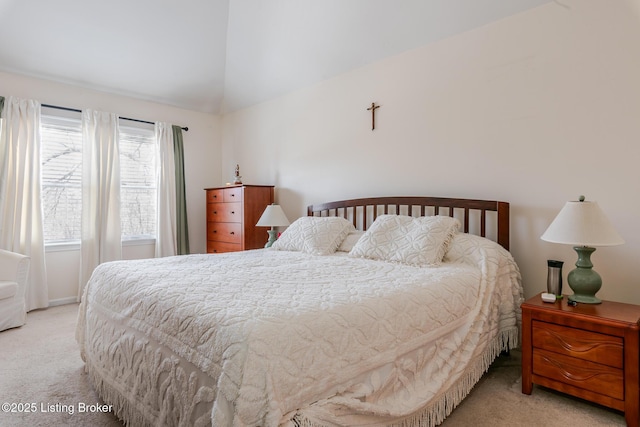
589,351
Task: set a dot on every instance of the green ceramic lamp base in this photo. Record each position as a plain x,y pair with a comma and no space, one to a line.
273,236
584,281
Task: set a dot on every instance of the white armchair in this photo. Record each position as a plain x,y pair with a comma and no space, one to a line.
14,269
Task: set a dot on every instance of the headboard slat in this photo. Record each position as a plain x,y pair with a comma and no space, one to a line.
466,221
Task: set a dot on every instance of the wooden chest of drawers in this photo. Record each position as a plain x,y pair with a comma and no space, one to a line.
589,351
232,214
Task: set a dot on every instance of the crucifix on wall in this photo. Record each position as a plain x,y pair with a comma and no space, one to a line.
373,109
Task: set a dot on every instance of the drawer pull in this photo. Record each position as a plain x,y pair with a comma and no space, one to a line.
215,212
215,231
233,232
233,212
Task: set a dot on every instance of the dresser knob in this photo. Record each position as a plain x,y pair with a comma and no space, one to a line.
233,232
233,212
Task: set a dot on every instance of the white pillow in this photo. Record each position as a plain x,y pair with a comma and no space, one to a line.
350,241
415,241
314,235
470,249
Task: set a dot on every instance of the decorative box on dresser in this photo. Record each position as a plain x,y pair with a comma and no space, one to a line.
232,214
589,351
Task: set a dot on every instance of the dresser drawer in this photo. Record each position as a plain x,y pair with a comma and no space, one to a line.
214,196
578,343
233,194
594,377
224,212
230,232
214,247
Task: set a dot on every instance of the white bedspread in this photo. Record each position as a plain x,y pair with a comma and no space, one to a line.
263,337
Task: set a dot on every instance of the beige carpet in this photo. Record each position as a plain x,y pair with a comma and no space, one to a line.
41,370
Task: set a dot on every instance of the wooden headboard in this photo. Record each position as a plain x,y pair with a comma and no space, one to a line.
486,218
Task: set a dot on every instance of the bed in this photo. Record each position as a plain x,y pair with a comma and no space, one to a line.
376,311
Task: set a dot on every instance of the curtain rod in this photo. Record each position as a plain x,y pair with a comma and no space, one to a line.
123,118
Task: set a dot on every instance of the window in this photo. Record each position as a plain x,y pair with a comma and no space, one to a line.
137,183
61,157
61,140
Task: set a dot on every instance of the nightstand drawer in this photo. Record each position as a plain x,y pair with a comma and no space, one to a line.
229,232
586,375
578,343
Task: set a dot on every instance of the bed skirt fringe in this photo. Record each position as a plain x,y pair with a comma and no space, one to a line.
436,413
443,405
122,408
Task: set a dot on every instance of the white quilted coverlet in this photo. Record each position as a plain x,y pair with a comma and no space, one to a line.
264,337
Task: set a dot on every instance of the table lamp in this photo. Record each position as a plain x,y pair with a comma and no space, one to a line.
584,225
273,216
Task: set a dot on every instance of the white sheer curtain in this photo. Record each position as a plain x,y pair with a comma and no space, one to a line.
166,235
101,230
21,227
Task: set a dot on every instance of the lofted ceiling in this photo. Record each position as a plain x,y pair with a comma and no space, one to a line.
222,55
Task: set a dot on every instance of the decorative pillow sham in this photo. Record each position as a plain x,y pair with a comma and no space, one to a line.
314,235
419,241
350,241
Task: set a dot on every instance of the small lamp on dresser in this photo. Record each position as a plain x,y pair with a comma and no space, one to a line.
273,216
583,225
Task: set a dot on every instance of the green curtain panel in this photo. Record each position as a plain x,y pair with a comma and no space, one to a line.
181,198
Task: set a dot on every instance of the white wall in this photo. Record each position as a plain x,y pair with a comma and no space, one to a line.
535,110
202,163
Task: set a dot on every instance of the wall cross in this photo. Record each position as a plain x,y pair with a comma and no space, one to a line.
373,109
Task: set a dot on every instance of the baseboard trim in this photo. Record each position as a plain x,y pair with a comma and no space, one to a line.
63,301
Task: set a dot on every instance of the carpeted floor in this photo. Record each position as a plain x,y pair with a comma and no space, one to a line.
42,379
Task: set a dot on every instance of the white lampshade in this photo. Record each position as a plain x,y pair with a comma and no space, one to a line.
273,216
582,223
